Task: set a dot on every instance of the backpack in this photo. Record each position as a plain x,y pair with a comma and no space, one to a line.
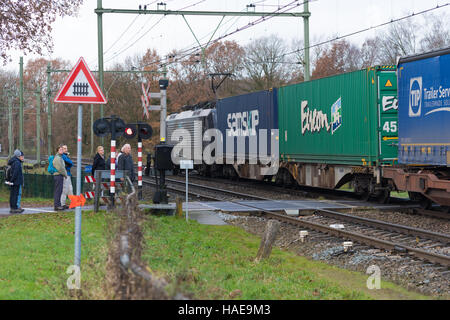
51,169
8,173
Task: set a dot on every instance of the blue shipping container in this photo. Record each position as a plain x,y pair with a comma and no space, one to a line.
424,109
241,117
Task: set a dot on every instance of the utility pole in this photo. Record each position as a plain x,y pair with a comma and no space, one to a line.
38,124
163,91
21,105
49,112
100,55
10,133
306,38
92,130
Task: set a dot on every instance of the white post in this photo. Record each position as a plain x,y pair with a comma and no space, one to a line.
187,184
186,165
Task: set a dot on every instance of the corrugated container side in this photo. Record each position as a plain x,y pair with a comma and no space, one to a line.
330,120
243,116
195,122
424,110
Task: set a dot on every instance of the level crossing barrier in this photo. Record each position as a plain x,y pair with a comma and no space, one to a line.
101,183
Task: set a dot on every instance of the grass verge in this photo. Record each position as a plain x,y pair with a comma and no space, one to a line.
37,250
217,262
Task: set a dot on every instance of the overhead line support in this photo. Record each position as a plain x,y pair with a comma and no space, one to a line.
203,13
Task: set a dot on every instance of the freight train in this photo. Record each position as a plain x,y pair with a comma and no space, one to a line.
380,129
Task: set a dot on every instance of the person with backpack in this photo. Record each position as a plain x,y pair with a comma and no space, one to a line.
58,177
67,185
14,176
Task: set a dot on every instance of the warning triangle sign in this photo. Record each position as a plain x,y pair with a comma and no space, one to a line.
388,83
80,87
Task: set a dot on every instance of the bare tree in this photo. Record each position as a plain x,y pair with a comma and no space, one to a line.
266,64
370,53
437,34
298,61
26,24
399,40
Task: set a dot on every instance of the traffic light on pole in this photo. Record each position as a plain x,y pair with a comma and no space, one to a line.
130,131
144,131
118,125
101,127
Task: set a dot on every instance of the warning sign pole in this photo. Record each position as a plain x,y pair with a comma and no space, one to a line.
79,87
78,209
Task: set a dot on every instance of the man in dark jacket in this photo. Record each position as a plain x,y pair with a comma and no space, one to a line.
16,182
125,161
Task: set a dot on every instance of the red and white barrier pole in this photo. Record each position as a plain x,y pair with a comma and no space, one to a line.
112,188
140,169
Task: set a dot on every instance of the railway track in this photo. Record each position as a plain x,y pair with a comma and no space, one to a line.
418,243
438,212
298,191
372,237
198,191
272,187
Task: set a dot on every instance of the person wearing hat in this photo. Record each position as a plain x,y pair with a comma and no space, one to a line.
16,182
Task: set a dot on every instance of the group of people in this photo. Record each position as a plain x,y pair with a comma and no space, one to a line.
62,176
124,160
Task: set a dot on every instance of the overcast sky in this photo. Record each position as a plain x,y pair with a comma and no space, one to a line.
126,35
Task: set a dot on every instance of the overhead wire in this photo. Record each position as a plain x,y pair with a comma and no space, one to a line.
318,44
120,37
147,31
188,52
368,29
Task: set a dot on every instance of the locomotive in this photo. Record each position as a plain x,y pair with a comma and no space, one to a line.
380,129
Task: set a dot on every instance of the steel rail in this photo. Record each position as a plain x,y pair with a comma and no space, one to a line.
386,225
358,237
355,236
233,193
209,197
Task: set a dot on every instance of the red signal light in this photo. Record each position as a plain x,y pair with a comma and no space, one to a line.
130,131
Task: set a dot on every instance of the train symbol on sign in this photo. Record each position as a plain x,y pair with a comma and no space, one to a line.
80,89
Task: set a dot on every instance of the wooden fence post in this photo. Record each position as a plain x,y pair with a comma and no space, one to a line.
179,210
265,248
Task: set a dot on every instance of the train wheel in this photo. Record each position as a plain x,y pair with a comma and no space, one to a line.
279,178
384,196
366,196
425,203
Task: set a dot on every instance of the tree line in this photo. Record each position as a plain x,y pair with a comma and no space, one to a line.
266,62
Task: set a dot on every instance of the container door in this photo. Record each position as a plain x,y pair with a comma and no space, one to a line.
387,115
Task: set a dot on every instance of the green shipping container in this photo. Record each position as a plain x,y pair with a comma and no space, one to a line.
348,119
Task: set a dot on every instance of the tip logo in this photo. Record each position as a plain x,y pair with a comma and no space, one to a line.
336,116
415,97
